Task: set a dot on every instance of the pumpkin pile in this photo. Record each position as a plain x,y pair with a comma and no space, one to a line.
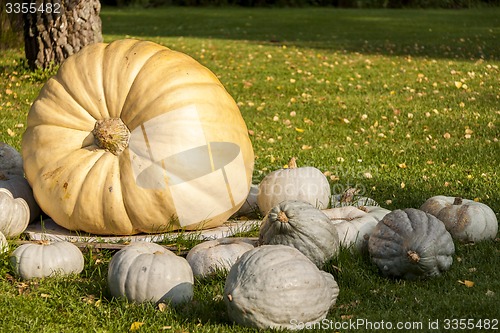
156,144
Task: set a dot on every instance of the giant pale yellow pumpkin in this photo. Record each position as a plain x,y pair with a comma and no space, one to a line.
132,137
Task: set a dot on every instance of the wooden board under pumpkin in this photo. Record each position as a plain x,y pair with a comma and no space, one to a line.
49,230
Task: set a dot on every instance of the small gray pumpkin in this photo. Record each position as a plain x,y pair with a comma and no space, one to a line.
46,258
12,179
272,286
249,207
218,254
19,187
350,197
14,214
355,224
466,220
301,225
148,272
307,184
11,161
411,244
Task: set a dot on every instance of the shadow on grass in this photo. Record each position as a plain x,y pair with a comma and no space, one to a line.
468,34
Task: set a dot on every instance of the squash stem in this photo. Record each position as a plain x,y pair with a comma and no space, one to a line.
111,135
282,217
292,164
413,256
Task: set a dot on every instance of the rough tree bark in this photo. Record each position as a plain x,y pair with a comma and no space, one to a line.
63,28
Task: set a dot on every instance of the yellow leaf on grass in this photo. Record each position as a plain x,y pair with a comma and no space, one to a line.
300,130
466,283
136,325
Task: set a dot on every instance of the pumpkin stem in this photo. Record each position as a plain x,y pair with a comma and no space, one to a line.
363,208
43,242
293,163
282,217
457,201
413,256
111,135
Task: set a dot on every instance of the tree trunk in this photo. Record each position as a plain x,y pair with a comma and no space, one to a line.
11,26
63,28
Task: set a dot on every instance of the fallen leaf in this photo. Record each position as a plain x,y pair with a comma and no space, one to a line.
136,325
89,299
11,132
466,283
300,130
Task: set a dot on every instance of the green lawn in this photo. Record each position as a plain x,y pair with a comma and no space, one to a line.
403,104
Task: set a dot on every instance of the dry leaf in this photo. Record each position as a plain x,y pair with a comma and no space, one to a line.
402,165
136,325
300,130
11,132
466,283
